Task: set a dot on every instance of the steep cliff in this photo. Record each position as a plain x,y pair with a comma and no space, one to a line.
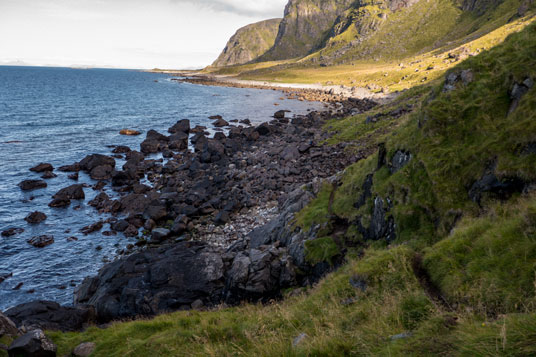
248,43
305,27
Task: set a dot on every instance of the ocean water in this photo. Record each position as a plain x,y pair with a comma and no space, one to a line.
60,115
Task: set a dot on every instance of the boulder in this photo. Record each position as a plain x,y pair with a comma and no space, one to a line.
159,234
35,217
70,168
92,161
102,172
7,327
280,114
10,232
182,126
61,202
48,175
32,344
155,281
48,315
41,241
220,123
129,132
121,149
92,228
156,136
42,167
84,349
28,185
73,192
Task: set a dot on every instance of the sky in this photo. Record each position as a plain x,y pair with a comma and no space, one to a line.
174,34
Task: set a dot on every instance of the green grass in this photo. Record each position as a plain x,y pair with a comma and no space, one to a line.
480,258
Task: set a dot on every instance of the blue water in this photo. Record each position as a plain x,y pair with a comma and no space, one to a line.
59,115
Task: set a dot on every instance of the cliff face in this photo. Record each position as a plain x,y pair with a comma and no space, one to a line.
248,43
305,27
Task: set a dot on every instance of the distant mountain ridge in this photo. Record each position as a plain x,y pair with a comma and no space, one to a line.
249,43
340,31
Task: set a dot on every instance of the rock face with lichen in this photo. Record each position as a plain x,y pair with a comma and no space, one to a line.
305,27
249,43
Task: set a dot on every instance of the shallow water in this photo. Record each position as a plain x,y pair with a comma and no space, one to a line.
59,115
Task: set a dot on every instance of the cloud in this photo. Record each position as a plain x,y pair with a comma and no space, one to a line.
257,8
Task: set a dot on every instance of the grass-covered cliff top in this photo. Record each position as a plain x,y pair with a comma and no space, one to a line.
460,277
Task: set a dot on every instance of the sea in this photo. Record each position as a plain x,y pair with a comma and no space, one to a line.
60,115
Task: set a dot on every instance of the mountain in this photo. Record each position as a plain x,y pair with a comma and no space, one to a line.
305,26
249,43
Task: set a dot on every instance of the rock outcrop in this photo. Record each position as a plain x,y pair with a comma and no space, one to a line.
305,27
249,43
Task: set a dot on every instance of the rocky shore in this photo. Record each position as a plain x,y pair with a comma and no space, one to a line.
304,92
213,217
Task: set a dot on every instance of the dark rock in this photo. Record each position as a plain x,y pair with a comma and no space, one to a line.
215,117
518,92
154,281
70,168
7,327
49,315
222,218
28,185
134,203
499,188
92,161
120,226
382,225
156,136
73,192
156,213
74,176
280,114
219,136
42,168
182,126
400,159
35,217
102,172
263,129
131,231
4,277
41,241
220,123
32,344
150,147
245,121
458,78
48,175
159,234
59,202
95,227
121,149
290,153
84,349
12,232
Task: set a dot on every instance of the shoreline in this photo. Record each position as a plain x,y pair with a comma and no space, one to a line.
300,91
209,195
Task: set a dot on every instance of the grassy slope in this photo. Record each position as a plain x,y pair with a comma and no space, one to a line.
485,268
385,61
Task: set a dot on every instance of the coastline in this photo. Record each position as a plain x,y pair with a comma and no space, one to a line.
300,91
210,196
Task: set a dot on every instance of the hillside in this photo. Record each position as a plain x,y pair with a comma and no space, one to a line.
305,26
386,45
249,43
432,234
